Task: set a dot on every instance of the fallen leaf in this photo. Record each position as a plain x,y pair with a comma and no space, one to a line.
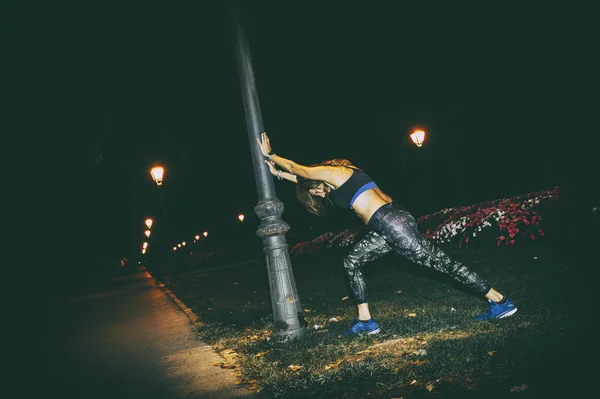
293,367
491,353
519,388
418,362
344,298
399,292
412,315
262,353
429,387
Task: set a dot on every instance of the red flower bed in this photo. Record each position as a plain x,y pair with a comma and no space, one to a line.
504,220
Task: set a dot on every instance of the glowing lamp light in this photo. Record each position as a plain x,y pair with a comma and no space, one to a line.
145,245
241,217
143,251
197,237
157,173
149,222
205,234
174,248
418,137
147,232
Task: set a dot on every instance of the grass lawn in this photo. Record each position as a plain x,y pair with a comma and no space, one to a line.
429,346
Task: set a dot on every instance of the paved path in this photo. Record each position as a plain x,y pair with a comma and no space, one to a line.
126,338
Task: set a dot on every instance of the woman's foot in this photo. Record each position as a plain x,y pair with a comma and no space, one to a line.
362,328
498,310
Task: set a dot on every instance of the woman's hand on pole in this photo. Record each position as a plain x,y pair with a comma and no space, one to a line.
264,144
272,167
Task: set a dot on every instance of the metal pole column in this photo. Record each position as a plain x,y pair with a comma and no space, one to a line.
287,309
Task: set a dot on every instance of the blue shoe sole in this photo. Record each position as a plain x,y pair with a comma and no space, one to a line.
376,331
509,313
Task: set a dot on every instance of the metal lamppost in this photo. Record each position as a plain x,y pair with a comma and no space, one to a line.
418,137
158,173
287,309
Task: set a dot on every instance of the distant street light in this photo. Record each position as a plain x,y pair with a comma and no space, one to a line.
149,222
197,237
241,217
183,243
174,248
157,173
418,137
143,251
145,245
205,234
179,245
147,233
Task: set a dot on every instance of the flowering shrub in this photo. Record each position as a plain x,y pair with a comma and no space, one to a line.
504,220
344,238
507,218
309,247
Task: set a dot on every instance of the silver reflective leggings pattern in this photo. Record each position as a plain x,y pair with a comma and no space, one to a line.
393,228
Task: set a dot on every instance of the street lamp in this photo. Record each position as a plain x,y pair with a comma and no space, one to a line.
147,233
197,237
418,137
145,245
157,173
149,222
205,234
241,217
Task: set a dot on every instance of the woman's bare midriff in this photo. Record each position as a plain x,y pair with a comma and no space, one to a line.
367,203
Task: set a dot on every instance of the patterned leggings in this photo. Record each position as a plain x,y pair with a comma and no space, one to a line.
393,227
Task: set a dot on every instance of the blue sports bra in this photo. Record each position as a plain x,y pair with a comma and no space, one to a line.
345,195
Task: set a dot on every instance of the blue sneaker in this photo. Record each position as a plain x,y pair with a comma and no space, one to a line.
362,328
497,310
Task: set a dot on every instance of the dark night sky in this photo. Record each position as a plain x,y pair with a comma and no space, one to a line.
132,84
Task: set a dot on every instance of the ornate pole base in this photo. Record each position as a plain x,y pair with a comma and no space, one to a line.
288,314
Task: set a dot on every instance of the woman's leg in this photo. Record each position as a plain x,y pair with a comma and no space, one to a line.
369,248
399,229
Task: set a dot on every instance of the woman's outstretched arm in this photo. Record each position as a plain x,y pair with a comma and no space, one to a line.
330,174
280,174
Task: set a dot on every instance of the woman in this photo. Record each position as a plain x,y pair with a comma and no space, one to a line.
391,228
